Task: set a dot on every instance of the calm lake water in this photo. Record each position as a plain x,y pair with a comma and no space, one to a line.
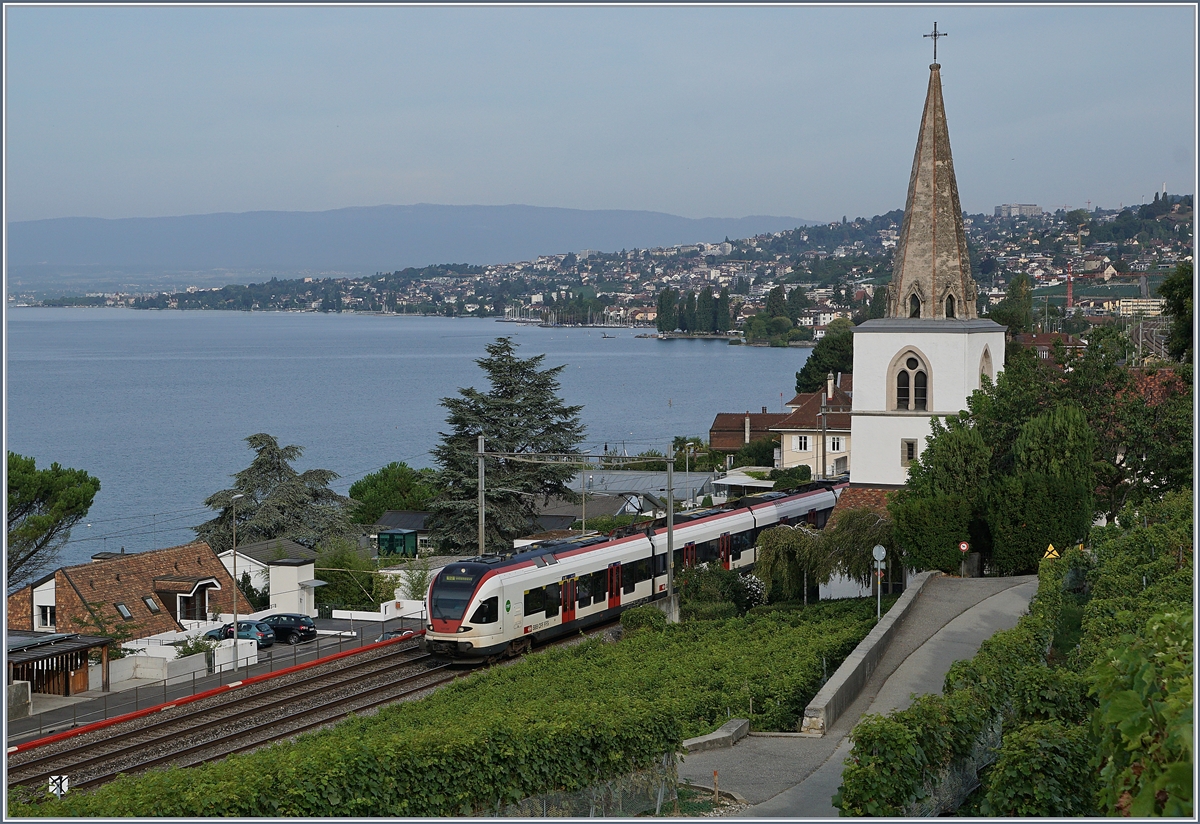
156,404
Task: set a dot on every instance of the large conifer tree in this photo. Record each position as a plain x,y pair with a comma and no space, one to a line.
521,413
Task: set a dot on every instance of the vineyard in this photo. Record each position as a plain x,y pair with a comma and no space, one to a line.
556,721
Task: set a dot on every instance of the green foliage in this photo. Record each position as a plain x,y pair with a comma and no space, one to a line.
644,617
791,560
1145,721
667,319
195,645
760,452
103,619
711,583
708,611
43,505
1029,512
928,529
955,461
277,501
1042,770
605,524
833,353
520,413
395,486
617,708
1177,290
415,577
258,598
791,478
1016,310
350,577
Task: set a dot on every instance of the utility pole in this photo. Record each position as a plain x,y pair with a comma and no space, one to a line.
481,499
671,616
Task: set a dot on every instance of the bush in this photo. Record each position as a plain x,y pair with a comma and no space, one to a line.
1026,513
712,583
708,611
643,617
929,529
1042,770
195,644
790,478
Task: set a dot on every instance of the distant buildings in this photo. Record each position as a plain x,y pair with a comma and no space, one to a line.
1018,210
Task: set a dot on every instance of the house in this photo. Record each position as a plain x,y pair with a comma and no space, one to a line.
401,532
148,592
816,433
256,557
1043,343
730,431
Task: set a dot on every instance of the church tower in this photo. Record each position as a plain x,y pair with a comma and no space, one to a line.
929,353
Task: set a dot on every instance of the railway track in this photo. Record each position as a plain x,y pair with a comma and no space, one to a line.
229,723
237,721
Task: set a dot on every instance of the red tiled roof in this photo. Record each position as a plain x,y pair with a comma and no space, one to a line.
808,406
861,497
728,431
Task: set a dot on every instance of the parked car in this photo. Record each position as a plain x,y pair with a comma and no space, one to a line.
395,633
292,628
251,631
218,633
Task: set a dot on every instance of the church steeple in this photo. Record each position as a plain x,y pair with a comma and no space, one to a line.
931,272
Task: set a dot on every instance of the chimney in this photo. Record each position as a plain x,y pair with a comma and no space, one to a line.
747,426
829,386
764,410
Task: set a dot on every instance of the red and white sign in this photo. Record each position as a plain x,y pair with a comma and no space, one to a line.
963,546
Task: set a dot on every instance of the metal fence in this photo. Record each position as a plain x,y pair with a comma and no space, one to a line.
112,704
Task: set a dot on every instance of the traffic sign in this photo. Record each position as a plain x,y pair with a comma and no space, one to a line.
879,553
963,546
1051,552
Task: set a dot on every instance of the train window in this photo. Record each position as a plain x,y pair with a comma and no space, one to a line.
634,573
553,594
660,564
600,585
583,590
535,601
488,612
707,551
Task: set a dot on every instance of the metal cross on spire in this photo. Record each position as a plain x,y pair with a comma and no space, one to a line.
936,34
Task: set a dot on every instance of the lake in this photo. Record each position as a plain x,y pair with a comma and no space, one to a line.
156,404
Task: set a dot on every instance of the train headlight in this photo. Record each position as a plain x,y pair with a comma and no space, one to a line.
464,628
429,627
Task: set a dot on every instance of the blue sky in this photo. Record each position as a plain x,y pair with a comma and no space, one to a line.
810,112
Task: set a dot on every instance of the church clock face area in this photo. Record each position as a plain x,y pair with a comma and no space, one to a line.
931,330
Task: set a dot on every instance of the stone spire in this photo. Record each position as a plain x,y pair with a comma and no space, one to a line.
931,273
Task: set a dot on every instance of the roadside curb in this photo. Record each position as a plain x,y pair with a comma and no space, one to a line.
729,734
845,684
254,679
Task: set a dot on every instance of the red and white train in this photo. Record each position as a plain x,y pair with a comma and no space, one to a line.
497,605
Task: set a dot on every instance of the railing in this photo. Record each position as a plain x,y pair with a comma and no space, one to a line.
112,704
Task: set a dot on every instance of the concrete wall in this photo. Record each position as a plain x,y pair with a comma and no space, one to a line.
845,685
19,703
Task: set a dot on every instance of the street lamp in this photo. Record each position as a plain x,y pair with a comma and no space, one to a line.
233,504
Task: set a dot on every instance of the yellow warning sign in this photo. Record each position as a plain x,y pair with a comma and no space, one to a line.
1051,552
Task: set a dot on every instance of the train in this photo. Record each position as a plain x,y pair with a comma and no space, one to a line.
489,607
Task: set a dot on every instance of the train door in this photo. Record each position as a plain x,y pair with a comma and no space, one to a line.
568,599
614,585
689,554
725,543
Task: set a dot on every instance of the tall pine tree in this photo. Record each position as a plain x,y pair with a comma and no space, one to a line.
520,413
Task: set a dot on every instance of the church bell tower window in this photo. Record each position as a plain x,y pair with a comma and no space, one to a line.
914,307
909,381
949,306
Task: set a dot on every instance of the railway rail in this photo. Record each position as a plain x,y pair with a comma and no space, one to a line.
239,720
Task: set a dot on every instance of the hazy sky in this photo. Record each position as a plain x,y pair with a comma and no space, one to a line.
810,112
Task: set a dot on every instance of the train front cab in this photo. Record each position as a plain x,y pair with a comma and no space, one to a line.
451,632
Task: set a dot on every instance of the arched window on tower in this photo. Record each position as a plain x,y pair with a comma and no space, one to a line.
909,381
914,307
949,306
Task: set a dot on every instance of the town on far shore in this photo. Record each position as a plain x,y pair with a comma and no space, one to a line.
1084,266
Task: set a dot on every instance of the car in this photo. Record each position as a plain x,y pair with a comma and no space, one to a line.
218,633
395,633
291,627
256,631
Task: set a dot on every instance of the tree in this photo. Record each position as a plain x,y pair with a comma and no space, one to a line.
1016,310
705,311
43,506
520,413
790,559
797,302
395,486
721,317
350,577
1176,289
277,501
759,452
777,306
878,305
667,319
687,312
833,353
